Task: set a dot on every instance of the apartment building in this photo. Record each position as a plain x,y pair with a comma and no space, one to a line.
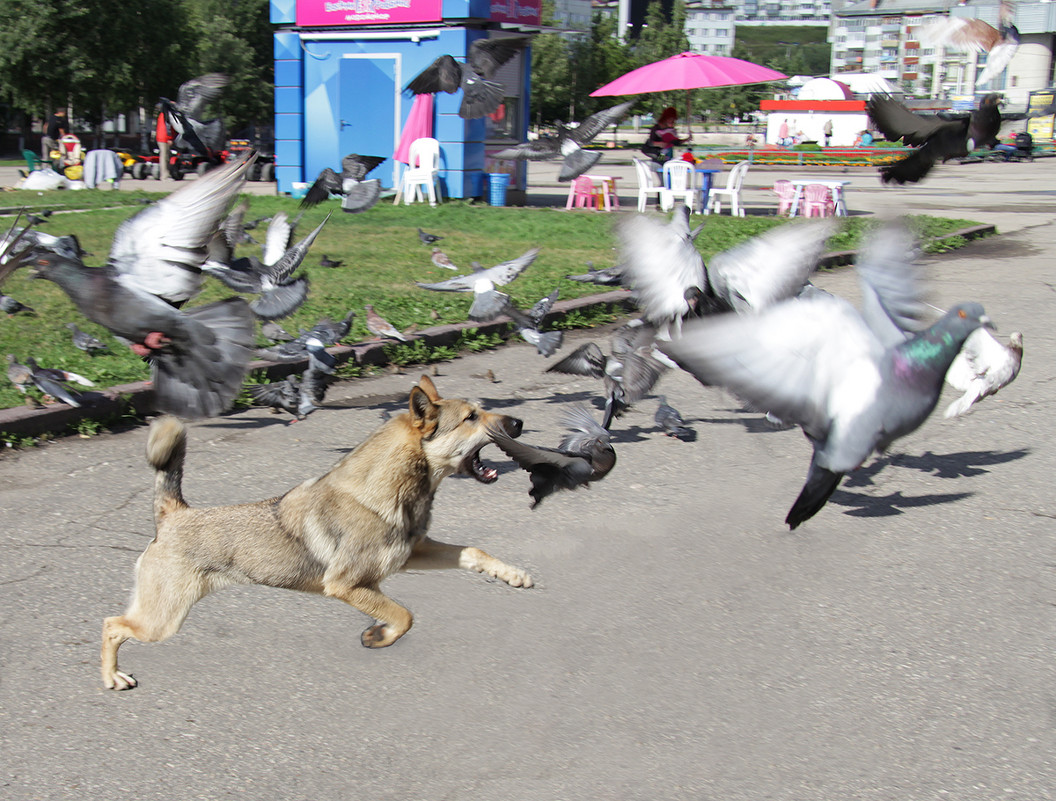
885,40
710,27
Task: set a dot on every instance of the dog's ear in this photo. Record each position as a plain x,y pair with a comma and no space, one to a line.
424,413
429,388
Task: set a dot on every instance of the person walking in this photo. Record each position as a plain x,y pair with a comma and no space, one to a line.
163,136
56,128
827,132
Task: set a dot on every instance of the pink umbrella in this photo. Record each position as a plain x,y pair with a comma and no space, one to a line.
418,126
688,71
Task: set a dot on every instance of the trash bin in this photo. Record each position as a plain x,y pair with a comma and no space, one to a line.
497,184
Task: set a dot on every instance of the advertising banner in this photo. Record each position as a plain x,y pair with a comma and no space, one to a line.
369,12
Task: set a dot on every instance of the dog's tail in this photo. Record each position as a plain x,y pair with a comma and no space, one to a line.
166,447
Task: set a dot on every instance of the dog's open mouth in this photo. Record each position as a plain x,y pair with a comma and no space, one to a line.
480,471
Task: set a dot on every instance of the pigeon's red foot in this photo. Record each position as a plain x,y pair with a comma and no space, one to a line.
139,350
155,340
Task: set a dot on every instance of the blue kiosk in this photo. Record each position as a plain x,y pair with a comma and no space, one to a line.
340,70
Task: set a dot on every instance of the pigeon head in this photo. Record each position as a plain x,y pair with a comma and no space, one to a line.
965,318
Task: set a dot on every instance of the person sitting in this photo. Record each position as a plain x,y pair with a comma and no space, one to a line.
1022,144
663,137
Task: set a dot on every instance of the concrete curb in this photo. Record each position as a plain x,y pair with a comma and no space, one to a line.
137,398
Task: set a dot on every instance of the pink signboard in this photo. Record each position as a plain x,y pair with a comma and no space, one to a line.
527,12
369,12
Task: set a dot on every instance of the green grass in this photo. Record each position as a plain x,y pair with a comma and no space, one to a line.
382,259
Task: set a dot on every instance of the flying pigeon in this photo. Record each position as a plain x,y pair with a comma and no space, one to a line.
975,36
569,143
427,238
854,382
11,307
488,302
269,277
584,455
329,332
299,397
198,355
480,95
441,259
358,193
380,327
629,373
85,341
204,137
670,421
941,137
527,324
162,248
605,276
983,366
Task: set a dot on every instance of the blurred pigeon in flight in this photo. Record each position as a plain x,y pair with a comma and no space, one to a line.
480,95
854,383
204,137
583,455
527,324
53,382
488,302
358,193
275,332
569,142
671,422
18,374
971,35
983,366
605,276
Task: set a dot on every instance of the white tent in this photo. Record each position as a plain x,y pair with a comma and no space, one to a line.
866,83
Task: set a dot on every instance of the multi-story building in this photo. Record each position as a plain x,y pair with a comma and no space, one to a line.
572,15
710,27
885,39
783,13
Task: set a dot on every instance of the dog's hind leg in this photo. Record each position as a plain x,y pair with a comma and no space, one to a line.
393,620
432,555
164,594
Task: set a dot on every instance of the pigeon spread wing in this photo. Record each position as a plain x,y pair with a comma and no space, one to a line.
895,121
327,182
596,123
487,55
801,360
193,96
659,265
768,268
443,75
277,238
357,167
892,284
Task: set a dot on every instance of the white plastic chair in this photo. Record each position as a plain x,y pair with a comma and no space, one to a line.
422,172
732,190
647,183
678,183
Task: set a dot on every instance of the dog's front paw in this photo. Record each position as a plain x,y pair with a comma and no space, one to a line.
119,681
478,560
379,636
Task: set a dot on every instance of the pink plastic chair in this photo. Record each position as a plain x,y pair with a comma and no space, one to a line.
582,194
786,193
817,200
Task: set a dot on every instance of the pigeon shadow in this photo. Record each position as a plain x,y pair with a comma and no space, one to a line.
890,505
629,435
578,397
964,464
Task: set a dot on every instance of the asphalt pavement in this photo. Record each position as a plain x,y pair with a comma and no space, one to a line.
680,642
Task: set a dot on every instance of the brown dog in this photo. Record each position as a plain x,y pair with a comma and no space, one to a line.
337,535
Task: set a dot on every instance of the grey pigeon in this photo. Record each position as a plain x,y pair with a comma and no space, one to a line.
11,307
204,137
280,295
380,327
983,366
279,395
427,238
198,355
329,332
53,382
853,383
18,374
670,421
275,332
583,456
357,193
488,302
299,397
332,264
162,249
85,341
480,95
546,342
569,142
605,276
628,374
